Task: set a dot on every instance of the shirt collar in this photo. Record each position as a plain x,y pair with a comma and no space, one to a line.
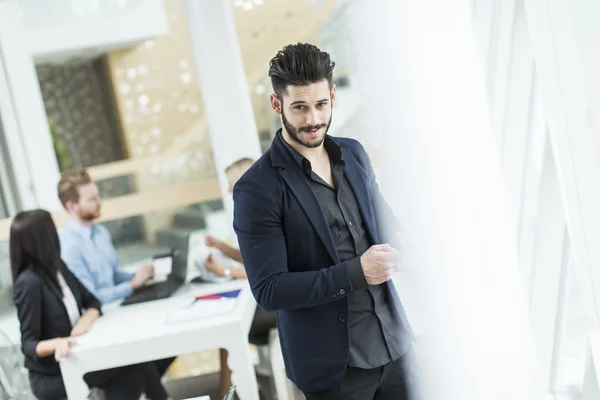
81,229
332,148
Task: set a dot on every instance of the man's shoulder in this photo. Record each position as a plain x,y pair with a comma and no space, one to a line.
261,171
99,228
356,150
349,143
67,234
70,244
262,180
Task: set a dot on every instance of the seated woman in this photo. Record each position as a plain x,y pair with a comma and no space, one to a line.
263,321
49,300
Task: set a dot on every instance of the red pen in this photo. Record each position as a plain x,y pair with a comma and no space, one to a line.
209,297
219,296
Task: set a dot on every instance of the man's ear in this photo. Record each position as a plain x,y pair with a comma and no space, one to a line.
276,104
69,205
333,95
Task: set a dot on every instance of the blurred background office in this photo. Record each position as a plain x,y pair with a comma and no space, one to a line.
156,97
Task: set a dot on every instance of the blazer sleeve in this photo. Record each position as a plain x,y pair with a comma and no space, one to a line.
27,295
260,233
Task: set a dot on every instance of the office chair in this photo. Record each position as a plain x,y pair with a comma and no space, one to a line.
14,381
231,394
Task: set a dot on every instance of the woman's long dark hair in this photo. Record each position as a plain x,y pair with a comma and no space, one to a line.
34,244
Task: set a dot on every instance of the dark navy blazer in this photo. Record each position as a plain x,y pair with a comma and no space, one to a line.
292,263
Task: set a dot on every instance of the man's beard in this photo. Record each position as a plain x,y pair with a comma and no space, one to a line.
295,133
89,216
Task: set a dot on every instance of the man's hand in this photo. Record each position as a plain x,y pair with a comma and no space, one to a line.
212,242
63,347
142,275
214,266
379,263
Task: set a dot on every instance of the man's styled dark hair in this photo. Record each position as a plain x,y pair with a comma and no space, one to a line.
299,65
34,244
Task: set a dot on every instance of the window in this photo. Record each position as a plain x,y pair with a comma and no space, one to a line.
573,334
6,204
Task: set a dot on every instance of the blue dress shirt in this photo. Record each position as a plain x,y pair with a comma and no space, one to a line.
90,255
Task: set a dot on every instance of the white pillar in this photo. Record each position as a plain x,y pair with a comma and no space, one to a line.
223,85
226,99
24,119
424,92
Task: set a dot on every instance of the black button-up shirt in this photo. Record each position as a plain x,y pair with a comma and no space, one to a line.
376,335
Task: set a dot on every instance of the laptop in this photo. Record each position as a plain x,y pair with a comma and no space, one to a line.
175,280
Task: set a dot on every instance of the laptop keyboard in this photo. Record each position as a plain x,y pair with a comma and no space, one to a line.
158,291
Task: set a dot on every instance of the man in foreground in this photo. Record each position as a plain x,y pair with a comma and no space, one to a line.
315,234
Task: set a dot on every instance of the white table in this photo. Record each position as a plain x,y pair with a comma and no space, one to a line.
139,333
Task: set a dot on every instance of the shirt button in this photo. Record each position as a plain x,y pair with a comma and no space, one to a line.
342,317
342,291
350,223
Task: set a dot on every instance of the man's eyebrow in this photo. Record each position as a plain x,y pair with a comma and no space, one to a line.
304,102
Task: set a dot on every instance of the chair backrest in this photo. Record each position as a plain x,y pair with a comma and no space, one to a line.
14,381
8,363
231,394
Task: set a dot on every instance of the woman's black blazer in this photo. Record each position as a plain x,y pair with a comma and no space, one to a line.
43,315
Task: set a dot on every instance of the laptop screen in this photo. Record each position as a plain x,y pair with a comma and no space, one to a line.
163,266
174,262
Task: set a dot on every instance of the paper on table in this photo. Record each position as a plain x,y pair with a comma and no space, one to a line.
162,267
203,309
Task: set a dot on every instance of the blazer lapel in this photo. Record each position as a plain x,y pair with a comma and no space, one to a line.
297,182
57,293
359,182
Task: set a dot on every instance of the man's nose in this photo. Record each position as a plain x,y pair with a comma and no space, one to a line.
312,117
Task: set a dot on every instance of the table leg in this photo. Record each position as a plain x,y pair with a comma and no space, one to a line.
240,363
73,378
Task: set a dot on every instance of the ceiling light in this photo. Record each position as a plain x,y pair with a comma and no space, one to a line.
247,5
259,89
